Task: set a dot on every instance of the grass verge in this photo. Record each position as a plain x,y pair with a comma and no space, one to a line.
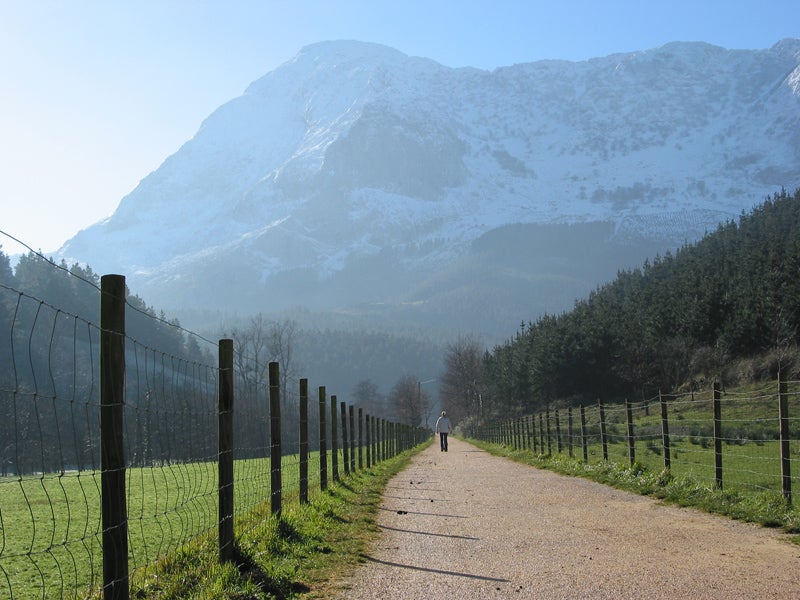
767,508
300,554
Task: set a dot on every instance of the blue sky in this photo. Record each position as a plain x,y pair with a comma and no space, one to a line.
95,94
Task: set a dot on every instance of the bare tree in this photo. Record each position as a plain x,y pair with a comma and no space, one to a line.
282,336
460,392
261,342
367,396
410,402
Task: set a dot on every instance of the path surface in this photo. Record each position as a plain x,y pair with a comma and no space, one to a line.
467,525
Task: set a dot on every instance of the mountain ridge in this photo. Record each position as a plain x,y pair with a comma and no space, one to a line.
354,157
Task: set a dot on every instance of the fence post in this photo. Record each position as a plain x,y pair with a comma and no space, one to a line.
376,450
603,439
345,440
360,438
717,435
541,433
631,443
323,449
368,440
559,446
334,441
584,436
549,435
533,432
373,436
783,407
381,439
569,432
225,467
664,430
382,442
527,427
275,438
112,447
304,441
351,409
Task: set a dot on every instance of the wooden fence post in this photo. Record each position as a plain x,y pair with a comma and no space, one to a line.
345,440
783,409
351,410
368,440
323,445
112,443
665,430
717,435
631,442
603,438
374,437
527,423
303,441
360,438
549,436
559,446
376,440
225,467
334,441
569,432
384,442
584,435
541,433
275,445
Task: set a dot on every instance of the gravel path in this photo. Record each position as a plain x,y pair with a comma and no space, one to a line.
465,524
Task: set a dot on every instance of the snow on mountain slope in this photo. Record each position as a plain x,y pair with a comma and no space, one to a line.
354,154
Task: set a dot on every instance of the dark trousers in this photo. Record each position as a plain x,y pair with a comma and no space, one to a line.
443,441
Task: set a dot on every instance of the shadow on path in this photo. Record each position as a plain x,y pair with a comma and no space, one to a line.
438,571
444,535
428,514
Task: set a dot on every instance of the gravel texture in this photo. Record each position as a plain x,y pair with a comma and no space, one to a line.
464,524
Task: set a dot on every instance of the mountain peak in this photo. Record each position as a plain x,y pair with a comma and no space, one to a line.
354,160
350,50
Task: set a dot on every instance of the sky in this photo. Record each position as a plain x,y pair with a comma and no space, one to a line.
96,94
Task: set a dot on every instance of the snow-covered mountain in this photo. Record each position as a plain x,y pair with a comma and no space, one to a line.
357,178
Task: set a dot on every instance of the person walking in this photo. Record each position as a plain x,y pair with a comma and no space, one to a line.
443,428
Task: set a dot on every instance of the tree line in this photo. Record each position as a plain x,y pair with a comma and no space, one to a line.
732,297
49,374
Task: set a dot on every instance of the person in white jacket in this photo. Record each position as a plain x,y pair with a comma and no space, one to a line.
443,428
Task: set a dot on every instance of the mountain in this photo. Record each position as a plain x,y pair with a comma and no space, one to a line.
358,180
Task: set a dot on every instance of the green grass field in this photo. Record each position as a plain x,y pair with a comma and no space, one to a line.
50,525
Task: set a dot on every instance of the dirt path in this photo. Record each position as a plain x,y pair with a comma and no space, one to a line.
465,524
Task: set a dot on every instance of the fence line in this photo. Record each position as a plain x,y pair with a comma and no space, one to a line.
110,455
744,442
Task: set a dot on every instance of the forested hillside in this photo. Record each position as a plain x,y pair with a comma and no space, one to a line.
725,307
49,360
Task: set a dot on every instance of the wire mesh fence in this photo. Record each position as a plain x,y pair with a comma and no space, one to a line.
54,469
49,441
745,440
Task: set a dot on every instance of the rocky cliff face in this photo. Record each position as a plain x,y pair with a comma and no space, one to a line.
356,176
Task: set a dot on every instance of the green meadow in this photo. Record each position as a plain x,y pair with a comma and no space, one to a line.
50,525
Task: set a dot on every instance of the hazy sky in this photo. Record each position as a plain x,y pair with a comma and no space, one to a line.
95,94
